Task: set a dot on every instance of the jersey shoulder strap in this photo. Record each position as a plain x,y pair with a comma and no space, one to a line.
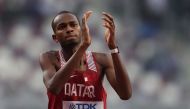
91,61
62,60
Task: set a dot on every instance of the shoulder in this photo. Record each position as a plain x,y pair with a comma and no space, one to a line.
102,58
100,55
48,56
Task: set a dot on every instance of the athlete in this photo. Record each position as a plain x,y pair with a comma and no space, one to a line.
72,75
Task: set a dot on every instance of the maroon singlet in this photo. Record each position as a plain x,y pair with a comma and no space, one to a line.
83,90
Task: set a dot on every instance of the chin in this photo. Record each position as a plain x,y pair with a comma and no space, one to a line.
71,42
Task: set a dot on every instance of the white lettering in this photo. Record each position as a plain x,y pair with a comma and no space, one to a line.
85,92
91,91
67,89
79,90
74,90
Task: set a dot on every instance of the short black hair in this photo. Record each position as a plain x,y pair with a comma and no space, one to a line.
62,12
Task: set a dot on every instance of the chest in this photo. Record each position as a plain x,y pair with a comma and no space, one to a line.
89,67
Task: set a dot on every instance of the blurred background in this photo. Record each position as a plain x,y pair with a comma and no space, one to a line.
153,37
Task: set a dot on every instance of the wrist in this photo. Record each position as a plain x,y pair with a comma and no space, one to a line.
115,50
112,46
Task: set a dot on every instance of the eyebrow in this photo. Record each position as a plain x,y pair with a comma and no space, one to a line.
62,23
67,22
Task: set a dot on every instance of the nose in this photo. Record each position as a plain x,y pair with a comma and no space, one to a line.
69,30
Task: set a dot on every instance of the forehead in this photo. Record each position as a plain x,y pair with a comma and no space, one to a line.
65,18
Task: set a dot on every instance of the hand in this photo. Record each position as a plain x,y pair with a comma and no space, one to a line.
108,23
86,38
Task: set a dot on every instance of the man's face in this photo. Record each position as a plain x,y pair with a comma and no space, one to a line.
67,29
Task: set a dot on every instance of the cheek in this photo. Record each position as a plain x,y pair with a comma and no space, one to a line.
60,34
79,31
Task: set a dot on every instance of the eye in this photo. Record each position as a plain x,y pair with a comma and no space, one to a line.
61,26
73,24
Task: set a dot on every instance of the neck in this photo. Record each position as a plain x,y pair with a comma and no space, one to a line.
69,50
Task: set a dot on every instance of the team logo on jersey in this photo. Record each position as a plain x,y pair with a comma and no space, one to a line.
72,106
82,106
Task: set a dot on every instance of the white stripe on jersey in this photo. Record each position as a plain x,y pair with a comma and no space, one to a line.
90,61
89,57
61,58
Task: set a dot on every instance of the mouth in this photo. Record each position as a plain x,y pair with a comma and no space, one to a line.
70,36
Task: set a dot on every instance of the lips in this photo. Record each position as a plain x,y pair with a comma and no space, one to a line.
70,36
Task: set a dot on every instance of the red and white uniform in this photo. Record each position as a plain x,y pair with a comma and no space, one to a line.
83,90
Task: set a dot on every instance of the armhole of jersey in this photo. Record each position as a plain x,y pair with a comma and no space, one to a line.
104,91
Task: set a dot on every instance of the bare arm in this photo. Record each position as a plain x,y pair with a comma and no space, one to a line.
118,77
54,81
115,71
116,74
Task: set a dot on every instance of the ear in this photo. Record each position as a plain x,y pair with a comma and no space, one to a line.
54,37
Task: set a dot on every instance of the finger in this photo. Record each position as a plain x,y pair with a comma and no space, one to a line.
111,22
85,17
107,25
83,22
108,21
107,34
88,14
107,15
110,28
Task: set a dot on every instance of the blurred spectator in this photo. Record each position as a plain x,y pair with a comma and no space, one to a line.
153,36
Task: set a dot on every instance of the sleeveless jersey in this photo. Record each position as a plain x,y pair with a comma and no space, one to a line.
83,90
